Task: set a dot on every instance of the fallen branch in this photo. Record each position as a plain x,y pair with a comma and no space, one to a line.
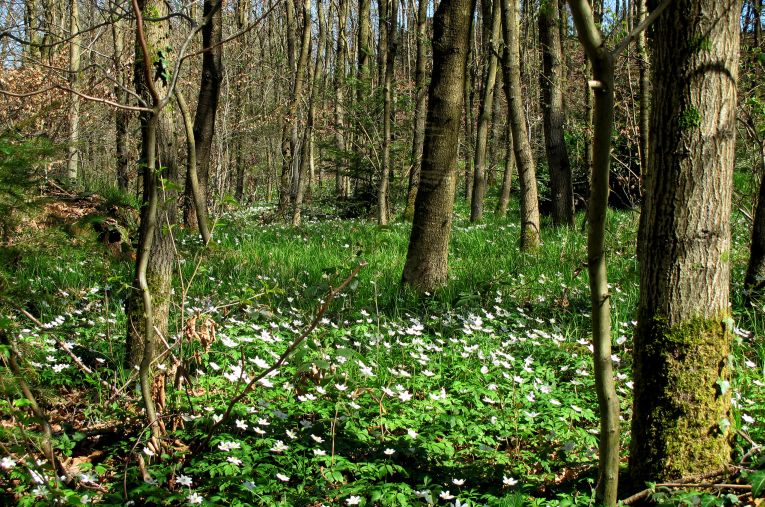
82,366
333,293
690,482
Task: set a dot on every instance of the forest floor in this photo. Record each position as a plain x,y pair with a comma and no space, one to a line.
482,393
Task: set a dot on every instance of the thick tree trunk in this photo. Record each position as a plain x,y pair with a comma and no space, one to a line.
551,82
523,156
158,147
207,109
420,104
426,259
683,336
484,115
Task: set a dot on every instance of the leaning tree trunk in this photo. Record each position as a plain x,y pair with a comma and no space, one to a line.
484,115
420,103
507,176
681,415
426,260
207,108
523,156
553,115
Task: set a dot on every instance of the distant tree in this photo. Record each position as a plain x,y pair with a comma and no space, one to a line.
523,156
207,108
73,153
553,114
420,105
484,115
426,260
681,415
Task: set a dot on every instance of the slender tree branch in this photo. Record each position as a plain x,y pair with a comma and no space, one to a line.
625,42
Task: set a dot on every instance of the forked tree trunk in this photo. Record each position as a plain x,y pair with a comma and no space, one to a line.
420,104
207,108
426,260
523,156
484,115
553,115
681,415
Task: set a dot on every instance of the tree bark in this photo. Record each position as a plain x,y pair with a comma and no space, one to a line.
683,335
426,260
420,104
523,156
207,109
507,176
553,115
484,116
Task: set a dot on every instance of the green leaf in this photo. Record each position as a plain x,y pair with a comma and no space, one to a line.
723,384
758,485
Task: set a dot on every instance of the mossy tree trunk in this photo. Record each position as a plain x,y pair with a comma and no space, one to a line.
681,405
426,259
158,162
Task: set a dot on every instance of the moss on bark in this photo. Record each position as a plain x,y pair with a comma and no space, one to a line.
680,426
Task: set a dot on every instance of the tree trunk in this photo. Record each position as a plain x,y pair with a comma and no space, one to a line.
207,108
388,91
290,124
73,148
507,177
469,91
523,156
339,80
158,148
426,260
551,82
121,116
484,115
644,99
680,422
313,74
420,103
